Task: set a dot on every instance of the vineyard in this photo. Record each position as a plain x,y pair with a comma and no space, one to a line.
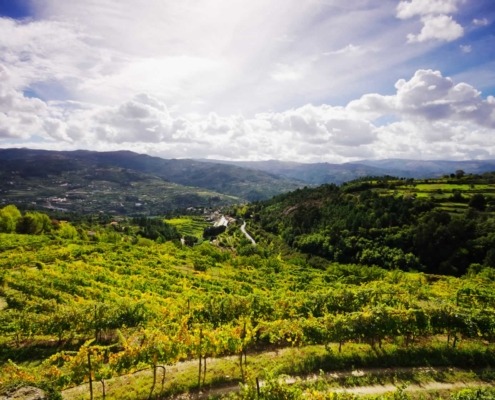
95,302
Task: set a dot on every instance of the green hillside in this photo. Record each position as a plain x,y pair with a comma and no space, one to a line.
379,272
106,190
436,226
126,183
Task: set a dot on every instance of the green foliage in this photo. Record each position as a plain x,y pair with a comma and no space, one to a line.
34,223
474,394
478,202
9,218
189,226
131,302
67,231
156,228
212,232
388,223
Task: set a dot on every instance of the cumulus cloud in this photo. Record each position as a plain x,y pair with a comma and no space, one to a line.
432,97
323,125
436,117
142,119
242,79
428,116
20,116
439,27
435,18
408,9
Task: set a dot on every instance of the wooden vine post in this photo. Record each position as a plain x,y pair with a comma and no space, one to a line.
90,372
154,367
200,357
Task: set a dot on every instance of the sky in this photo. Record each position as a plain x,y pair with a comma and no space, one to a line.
307,81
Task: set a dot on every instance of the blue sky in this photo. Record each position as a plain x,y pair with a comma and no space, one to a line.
319,80
14,9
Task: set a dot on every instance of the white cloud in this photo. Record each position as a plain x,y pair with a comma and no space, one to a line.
350,49
409,9
242,79
435,18
142,119
429,96
20,116
43,51
441,27
224,56
481,22
283,72
437,117
429,116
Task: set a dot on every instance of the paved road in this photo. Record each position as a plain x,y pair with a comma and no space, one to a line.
243,230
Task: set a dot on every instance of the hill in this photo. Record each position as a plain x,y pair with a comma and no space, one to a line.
320,173
96,308
126,182
435,225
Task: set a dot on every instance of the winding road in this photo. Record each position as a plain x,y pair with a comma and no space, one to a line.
243,230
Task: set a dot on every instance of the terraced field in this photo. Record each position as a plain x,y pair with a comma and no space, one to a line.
189,226
448,195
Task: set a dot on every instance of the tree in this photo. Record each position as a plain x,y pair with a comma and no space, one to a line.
190,240
9,217
67,231
34,223
154,229
211,232
478,202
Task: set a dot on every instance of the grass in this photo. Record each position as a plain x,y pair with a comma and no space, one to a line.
192,226
317,367
429,187
442,193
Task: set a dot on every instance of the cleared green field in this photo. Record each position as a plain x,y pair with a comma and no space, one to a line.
430,187
191,226
449,196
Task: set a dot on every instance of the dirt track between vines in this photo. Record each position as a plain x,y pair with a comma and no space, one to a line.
76,392
366,389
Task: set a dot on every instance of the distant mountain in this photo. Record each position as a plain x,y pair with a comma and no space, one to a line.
320,173
310,174
127,182
431,168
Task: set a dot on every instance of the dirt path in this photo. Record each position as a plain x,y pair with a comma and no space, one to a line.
431,386
364,390
371,389
335,375
176,369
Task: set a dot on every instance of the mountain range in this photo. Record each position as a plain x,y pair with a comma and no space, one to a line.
125,182
321,173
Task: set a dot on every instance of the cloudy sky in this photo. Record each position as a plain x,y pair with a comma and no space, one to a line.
312,80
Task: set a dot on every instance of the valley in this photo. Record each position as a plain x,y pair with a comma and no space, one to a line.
291,298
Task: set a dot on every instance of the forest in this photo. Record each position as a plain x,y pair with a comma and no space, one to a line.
378,273
441,227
